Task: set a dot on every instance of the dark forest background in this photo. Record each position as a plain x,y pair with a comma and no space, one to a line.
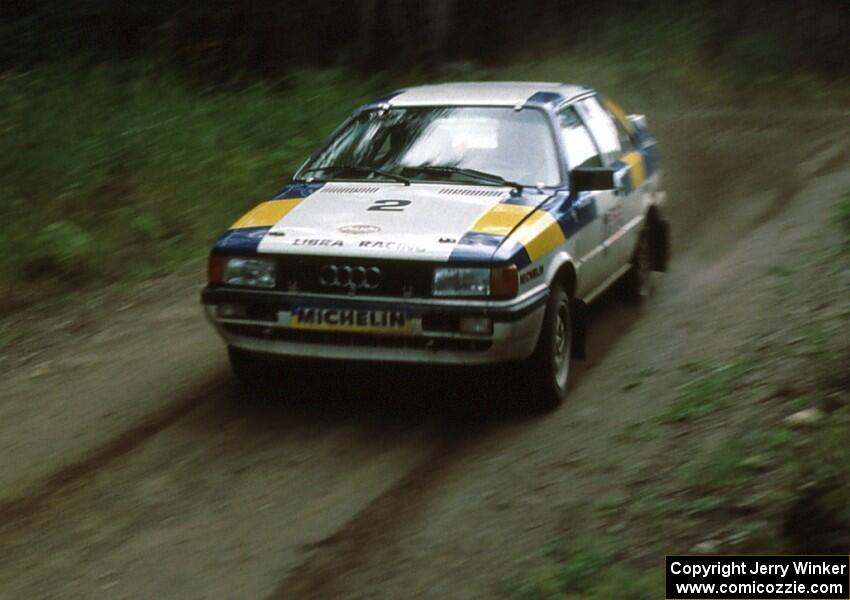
268,38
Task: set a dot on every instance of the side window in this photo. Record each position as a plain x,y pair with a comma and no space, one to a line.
603,129
581,150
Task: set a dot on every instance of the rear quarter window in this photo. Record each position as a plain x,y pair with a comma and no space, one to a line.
580,147
602,127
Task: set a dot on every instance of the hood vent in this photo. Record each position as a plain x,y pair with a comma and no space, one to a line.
464,191
351,189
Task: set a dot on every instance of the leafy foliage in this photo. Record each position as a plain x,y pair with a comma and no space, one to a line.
588,569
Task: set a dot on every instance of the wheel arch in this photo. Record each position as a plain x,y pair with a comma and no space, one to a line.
562,270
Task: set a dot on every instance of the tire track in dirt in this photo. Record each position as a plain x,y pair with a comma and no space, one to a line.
321,574
389,516
14,512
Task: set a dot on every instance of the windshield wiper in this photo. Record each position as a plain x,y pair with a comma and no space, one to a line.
361,169
473,173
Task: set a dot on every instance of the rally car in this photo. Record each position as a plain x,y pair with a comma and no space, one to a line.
460,224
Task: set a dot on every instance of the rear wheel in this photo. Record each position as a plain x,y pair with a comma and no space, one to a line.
639,281
549,366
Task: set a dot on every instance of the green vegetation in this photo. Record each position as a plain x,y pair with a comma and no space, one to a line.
706,392
117,172
721,468
587,570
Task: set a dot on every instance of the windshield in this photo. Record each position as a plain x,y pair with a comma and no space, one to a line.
489,146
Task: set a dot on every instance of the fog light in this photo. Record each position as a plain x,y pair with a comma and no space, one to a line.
476,325
231,311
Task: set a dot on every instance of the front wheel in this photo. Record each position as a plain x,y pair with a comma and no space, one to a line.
549,367
246,366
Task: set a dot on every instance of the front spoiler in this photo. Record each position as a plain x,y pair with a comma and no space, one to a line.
516,327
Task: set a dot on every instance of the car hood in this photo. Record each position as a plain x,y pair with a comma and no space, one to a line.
418,221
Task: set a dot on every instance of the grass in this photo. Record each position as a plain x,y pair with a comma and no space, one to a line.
722,468
707,390
588,569
115,173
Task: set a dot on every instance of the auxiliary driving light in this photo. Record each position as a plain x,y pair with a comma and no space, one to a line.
231,311
476,325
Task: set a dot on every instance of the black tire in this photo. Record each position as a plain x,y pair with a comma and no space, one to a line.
250,369
547,371
639,282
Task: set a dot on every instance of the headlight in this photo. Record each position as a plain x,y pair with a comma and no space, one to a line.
452,281
498,282
249,272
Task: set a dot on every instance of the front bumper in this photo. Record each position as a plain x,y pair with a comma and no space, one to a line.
430,338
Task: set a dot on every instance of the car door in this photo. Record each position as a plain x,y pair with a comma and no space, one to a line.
635,180
586,208
618,222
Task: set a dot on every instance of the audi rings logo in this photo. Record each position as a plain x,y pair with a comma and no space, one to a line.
350,278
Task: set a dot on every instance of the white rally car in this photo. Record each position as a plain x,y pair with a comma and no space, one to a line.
462,223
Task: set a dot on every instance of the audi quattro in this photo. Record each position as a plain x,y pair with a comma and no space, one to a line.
459,224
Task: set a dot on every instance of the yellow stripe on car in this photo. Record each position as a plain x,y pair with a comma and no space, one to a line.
267,213
540,234
637,168
619,114
501,219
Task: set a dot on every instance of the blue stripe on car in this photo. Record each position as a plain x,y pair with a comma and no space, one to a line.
475,247
243,240
298,189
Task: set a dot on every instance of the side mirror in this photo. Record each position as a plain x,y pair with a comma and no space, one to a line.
591,179
638,122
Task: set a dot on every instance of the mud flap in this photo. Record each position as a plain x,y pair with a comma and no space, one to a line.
579,314
660,231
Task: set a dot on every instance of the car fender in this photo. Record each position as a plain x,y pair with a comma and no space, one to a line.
559,260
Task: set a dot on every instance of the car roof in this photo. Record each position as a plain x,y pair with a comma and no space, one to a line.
484,93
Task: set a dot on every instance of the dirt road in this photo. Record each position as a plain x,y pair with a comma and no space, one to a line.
135,467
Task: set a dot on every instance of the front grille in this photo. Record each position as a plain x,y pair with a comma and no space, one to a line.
399,279
355,339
